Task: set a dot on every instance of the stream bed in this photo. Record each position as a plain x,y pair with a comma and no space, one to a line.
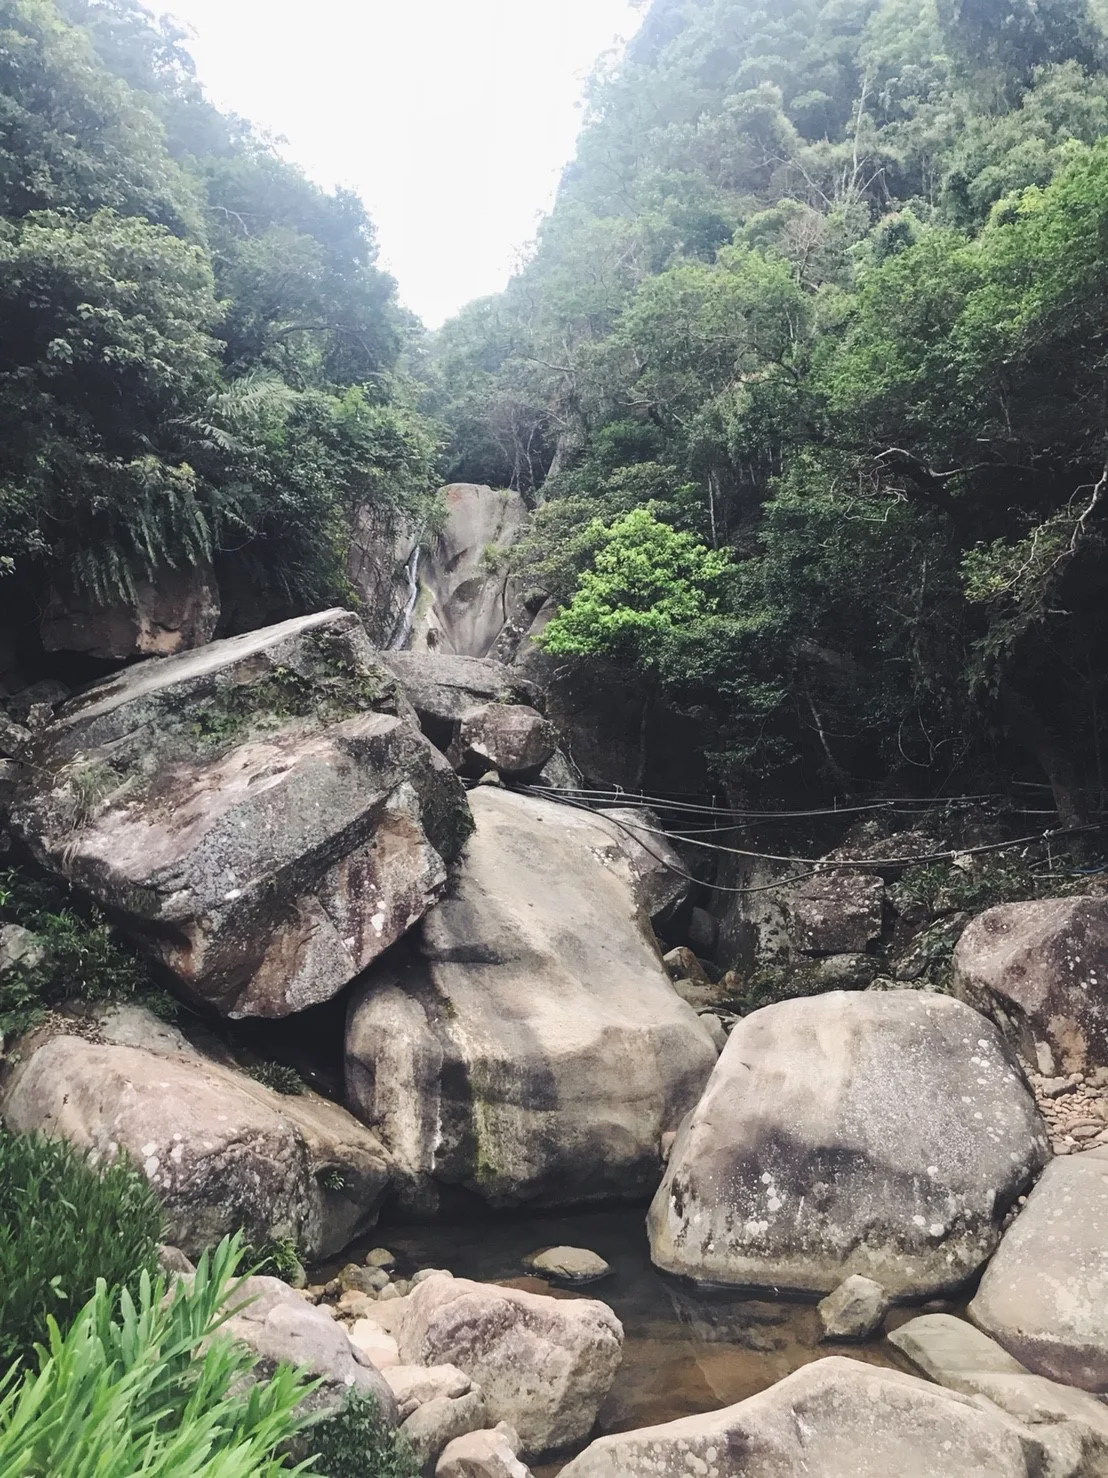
687,1350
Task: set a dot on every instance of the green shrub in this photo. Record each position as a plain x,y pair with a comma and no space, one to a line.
277,1076
357,1443
64,1224
139,1386
81,958
277,1258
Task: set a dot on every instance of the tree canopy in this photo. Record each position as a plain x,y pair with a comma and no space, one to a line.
824,289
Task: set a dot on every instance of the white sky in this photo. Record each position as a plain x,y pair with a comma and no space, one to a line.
451,118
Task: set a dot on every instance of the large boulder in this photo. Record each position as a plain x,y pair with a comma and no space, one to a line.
221,1150
178,611
280,1327
263,815
665,885
510,738
1044,1296
835,1418
1040,970
544,1364
443,688
527,1044
835,913
886,1135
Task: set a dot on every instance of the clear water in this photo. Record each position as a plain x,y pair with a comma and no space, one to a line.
686,1350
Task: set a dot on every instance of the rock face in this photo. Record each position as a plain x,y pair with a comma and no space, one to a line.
885,1135
221,1150
1044,1296
177,613
509,738
544,1364
263,815
281,1327
464,603
1040,970
527,1044
835,1418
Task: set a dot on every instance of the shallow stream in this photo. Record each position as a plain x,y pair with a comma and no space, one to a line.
686,1350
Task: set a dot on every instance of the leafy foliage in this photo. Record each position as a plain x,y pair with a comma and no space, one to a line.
64,1224
824,289
357,1443
198,353
76,955
143,1383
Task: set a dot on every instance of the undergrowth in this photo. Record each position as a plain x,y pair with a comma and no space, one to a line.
64,1223
78,956
276,1075
358,1443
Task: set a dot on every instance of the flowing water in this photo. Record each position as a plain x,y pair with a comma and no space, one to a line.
687,1350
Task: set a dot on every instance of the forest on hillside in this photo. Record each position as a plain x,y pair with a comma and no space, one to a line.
804,378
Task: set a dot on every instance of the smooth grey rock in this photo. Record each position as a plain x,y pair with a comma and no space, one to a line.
835,1418
173,1260
886,1135
544,1364
379,1257
282,1327
221,1150
262,815
528,1046
855,1310
836,913
490,1454
703,932
1044,1296
568,1264
1040,970
511,739
438,1422
962,1358
177,611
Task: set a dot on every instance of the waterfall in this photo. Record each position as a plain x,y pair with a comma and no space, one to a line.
403,629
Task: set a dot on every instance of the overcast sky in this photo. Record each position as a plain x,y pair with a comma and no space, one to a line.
451,118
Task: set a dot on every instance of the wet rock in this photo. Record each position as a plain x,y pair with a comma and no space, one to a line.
440,1421
568,1264
1044,1296
465,598
1040,970
544,1364
490,1454
885,1135
379,1257
962,1358
221,1150
836,1418
856,1309
836,913
528,1045
178,611
509,738
263,815
281,1327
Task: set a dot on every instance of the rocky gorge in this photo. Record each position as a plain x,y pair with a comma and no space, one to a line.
405,838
